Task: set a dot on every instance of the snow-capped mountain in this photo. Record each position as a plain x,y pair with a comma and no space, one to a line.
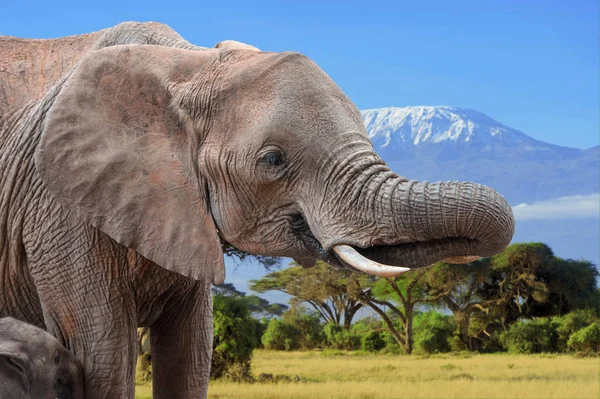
451,143
419,125
408,127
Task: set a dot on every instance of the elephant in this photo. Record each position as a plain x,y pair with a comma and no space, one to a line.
129,158
34,365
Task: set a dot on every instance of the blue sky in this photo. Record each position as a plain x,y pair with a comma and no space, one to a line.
532,65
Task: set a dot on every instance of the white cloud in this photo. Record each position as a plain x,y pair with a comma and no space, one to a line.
576,206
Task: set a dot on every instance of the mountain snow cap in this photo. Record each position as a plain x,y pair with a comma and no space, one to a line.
435,124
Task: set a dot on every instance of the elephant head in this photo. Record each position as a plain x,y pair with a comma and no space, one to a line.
172,151
34,365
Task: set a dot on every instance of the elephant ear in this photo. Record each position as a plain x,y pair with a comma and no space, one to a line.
119,151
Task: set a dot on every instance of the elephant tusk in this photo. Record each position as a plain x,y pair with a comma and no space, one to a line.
458,260
359,262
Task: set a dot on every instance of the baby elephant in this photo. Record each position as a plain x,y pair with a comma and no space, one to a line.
33,364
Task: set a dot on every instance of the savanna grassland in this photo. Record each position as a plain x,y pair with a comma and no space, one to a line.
355,375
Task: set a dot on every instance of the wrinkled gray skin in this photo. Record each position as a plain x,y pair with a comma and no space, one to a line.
34,365
123,167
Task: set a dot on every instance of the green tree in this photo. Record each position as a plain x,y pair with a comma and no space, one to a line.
337,294
399,296
332,292
524,281
372,342
226,289
571,323
433,332
338,337
540,283
586,340
458,289
259,307
531,336
281,335
309,325
234,338
366,325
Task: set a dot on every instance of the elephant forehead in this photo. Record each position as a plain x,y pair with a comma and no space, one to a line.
283,78
309,121
16,331
289,93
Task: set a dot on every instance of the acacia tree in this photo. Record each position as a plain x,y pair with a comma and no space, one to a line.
523,281
399,295
234,338
458,288
259,307
329,291
337,295
239,256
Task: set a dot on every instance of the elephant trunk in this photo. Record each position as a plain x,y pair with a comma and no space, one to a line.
456,222
438,211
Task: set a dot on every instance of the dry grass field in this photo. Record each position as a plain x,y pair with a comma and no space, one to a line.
353,375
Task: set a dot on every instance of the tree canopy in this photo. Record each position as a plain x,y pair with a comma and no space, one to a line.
258,307
330,291
524,281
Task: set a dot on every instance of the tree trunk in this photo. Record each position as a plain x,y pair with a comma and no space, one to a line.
462,321
390,325
408,328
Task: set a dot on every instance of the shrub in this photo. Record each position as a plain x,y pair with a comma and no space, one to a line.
391,345
281,335
340,338
456,345
586,340
259,330
372,342
310,329
365,326
533,336
234,338
570,324
433,332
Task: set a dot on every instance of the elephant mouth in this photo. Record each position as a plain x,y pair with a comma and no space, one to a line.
389,260
394,260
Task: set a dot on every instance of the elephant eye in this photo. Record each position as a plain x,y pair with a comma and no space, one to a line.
272,159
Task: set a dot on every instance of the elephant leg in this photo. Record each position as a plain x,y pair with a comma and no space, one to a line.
102,336
181,344
88,304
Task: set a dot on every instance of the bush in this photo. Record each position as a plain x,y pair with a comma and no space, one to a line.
372,342
340,338
281,335
533,336
456,345
310,329
570,324
234,338
433,332
259,330
365,325
586,340
391,345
